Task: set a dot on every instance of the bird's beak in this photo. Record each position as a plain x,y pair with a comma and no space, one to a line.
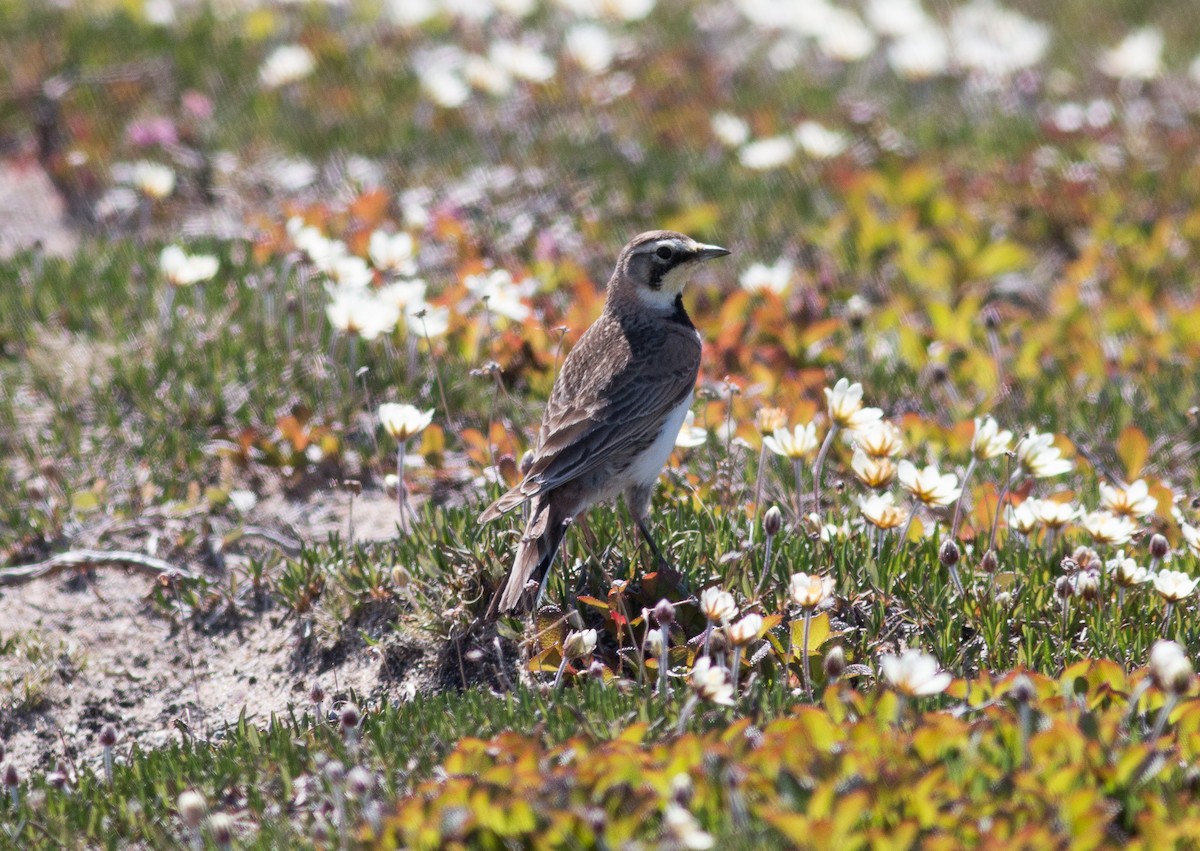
710,252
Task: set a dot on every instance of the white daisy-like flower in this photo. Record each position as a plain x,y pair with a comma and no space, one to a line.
395,253
403,421
844,401
928,485
1170,667
1022,518
288,63
1137,57
718,605
1174,585
731,131
357,312
881,511
760,277
182,269
1055,515
914,673
591,47
154,180
745,630
403,294
810,591
578,644
895,17
921,54
843,36
818,141
879,439
873,471
444,86
1039,457
766,154
799,442
522,60
690,434
1126,572
1133,501
503,295
989,440
349,272
711,682
486,76
994,40
682,828
1108,528
1191,536
427,320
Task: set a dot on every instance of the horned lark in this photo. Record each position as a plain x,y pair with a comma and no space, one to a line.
616,406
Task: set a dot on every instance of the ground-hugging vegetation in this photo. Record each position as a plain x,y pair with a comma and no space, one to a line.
932,529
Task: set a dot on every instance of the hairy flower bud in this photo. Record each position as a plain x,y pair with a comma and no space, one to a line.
108,736
948,553
990,563
664,613
1022,690
1064,588
192,807
1159,547
835,662
772,521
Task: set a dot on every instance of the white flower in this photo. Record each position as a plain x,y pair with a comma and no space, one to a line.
444,86
818,141
1126,572
395,253
1108,528
920,54
1039,457
896,17
591,47
486,76
718,605
731,131
522,61
1174,585
579,644
845,406
1137,57
1053,514
989,441
1170,668
800,442
872,471
1134,501
287,63
403,294
743,631
760,277
411,13
1191,535
994,40
683,829
502,294
356,311
403,421
880,439
928,485
881,511
182,269
914,673
843,36
691,435
243,501
810,591
711,682
154,180
348,271
427,320
766,154
1022,518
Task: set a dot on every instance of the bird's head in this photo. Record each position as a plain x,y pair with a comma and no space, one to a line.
655,266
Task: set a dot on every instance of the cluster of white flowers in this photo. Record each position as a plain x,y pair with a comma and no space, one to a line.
814,140
356,306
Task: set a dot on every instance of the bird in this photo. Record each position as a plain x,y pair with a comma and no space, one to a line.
616,406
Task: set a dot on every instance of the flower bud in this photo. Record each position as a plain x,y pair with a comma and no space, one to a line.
664,613
1159,547
1022,690
835,662
220,825
772,521
990,563
1087,584
1064,588
1170,667
358,781
108,736
191,808
11,779
58,777
579,644
316,693
335,771
349,716
948,553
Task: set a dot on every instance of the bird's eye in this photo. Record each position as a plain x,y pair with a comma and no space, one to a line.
664,252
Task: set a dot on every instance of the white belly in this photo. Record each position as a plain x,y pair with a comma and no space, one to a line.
648,466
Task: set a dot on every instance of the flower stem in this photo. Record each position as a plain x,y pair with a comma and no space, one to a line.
799,471
818,465
961,496
804,651
758,481
401,488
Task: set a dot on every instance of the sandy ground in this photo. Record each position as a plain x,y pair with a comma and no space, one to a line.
30,210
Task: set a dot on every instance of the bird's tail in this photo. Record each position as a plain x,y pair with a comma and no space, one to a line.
535,553
510,500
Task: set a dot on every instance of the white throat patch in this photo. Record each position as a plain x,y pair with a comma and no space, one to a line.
672,285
